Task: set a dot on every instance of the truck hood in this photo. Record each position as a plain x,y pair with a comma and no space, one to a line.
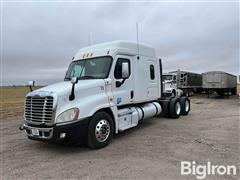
89,94
65,87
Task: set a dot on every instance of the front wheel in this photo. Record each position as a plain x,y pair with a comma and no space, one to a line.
100,130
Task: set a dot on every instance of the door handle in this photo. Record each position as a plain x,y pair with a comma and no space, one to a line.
132,94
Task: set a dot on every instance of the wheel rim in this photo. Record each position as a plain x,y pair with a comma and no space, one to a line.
177,108
102,130
186,105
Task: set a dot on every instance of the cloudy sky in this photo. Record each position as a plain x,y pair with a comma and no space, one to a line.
39,39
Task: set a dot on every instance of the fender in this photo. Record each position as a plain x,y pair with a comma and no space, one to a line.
112,108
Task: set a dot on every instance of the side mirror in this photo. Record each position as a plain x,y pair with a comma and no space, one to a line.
31,84
125,74
125,70
74,80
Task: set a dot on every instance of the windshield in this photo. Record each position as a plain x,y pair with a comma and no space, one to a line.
94,68
167,77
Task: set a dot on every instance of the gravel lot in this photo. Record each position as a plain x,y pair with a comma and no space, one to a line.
153,150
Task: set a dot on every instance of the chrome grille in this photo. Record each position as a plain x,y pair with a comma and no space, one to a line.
39,110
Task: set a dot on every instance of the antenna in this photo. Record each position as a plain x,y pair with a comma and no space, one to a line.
137,39
89,39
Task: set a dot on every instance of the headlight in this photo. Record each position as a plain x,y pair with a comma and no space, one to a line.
68,115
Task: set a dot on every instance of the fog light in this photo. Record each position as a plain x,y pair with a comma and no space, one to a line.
62,135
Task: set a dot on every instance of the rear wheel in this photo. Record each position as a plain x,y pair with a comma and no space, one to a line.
185,105
165,108
100,130
175,108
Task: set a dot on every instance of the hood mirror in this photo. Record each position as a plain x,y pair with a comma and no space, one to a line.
31,84
74,81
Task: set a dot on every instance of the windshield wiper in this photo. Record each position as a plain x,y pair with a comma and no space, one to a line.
67,79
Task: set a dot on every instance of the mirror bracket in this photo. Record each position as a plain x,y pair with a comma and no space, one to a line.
72,95
74,81
31,84
119,83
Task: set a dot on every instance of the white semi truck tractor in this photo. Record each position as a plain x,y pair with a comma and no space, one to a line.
108,88
170,87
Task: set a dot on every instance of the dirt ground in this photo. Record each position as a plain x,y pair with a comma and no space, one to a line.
12,101
153,150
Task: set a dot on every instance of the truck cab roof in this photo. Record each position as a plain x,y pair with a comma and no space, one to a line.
115,47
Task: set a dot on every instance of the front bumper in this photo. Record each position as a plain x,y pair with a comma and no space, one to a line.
70,133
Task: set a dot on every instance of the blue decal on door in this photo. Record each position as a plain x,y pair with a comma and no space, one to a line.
119,100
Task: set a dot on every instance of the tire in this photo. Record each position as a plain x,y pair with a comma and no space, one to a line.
221,93
185,105
100,130
234,91
175,108
165,110
189,93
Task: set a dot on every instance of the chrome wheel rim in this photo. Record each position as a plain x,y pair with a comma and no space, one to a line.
102,130
187,106
177,108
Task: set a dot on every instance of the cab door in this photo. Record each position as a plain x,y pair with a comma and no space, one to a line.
122,89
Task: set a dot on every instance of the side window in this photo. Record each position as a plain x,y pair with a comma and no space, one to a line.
152,73
118,67
174,78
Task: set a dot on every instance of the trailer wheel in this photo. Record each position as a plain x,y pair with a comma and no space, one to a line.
234,91
185,105
175,108
100,130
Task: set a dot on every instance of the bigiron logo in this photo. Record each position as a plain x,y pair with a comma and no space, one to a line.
201,171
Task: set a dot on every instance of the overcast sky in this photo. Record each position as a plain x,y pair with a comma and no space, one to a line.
40,39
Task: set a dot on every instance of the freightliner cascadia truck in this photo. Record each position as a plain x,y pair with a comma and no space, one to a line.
108,88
